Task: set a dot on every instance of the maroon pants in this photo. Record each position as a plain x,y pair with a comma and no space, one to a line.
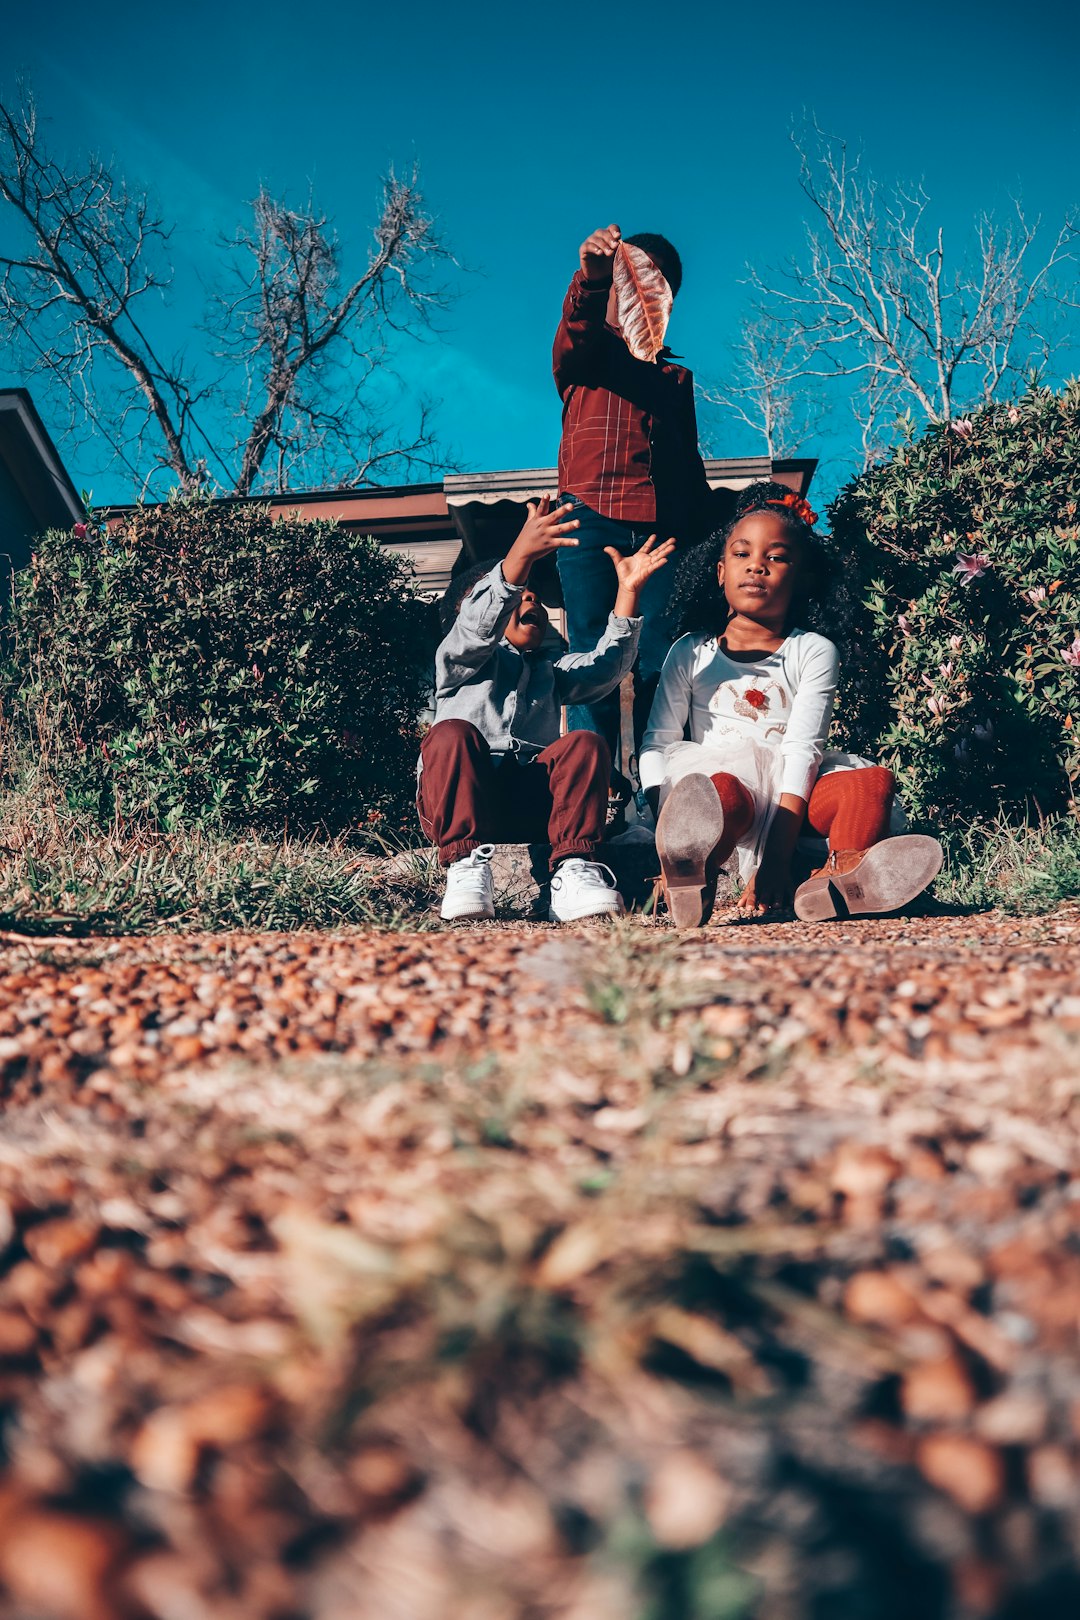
465,799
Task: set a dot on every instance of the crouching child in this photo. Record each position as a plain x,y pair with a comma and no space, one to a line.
493,768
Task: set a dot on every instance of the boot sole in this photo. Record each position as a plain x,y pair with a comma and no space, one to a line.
688,831
888,877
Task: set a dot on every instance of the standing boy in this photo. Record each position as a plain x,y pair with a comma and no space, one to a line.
628,462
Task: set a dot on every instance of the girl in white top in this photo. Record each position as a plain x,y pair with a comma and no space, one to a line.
734,756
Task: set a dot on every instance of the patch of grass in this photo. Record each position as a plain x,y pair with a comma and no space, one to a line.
1022,870
61,874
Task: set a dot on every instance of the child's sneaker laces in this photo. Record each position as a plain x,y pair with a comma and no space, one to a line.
470,889
582,888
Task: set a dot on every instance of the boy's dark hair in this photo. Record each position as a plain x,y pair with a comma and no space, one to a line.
658,247
698,604
459,588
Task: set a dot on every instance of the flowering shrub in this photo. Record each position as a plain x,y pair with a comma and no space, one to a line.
204,662
959,563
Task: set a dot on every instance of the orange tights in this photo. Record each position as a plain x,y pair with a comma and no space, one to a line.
849,808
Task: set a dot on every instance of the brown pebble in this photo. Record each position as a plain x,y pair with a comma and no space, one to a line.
863,1172
61,1566
59,1242
18,1335
878,1297
166,1451
1012,1419
966,1469
686,1501
1052,1477
938,1391
383,1473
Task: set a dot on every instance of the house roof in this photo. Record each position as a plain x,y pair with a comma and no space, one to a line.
477,514
34,463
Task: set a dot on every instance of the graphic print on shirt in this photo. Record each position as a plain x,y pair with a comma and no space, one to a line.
752,702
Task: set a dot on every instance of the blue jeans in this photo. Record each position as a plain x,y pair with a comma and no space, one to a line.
589,584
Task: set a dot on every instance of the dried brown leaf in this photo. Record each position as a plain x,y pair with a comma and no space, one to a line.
644,301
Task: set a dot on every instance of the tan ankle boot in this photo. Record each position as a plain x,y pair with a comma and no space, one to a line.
858,882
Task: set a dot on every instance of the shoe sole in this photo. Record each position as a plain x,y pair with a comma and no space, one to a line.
688,831
888,877
467,916
581,916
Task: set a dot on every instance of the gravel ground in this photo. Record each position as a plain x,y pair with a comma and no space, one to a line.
518,1273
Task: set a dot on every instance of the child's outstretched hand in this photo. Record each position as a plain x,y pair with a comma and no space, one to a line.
546,529
634,570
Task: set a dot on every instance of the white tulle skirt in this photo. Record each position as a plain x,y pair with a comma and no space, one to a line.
758,769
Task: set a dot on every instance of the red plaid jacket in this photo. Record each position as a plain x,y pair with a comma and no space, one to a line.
629,444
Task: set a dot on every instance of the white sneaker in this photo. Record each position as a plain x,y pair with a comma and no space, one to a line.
583,889
470,889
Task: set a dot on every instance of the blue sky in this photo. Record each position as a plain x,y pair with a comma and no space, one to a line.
533,125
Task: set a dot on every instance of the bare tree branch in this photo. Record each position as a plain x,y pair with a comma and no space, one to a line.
767,389
316,398
94,250
874,296
310,344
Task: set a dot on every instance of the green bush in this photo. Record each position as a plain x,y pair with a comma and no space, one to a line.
206,663
959,559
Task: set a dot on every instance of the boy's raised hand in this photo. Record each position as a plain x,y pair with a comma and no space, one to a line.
597,252
634,570
546,529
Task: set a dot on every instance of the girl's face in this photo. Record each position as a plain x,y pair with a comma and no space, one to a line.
760,569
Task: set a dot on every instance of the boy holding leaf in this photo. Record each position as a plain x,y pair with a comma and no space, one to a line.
628,459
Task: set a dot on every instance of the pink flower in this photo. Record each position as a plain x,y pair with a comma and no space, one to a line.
1014,414
956,642
936,705
1071,654
80,531
1036,594
946,669
963,426
904,624
969,565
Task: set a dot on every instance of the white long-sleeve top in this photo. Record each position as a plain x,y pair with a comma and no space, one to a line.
782,702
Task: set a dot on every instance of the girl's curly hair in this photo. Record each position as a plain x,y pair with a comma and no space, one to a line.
698,605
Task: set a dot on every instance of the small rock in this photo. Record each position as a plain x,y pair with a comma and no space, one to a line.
60,1242
383,1473
1052,1477
166,1451
864,1172
992,1161
938,1391
18,1336
966,1469
57,1565
878,1297
686,1501
1015,1418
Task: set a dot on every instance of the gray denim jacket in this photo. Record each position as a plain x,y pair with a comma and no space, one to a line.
513,698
